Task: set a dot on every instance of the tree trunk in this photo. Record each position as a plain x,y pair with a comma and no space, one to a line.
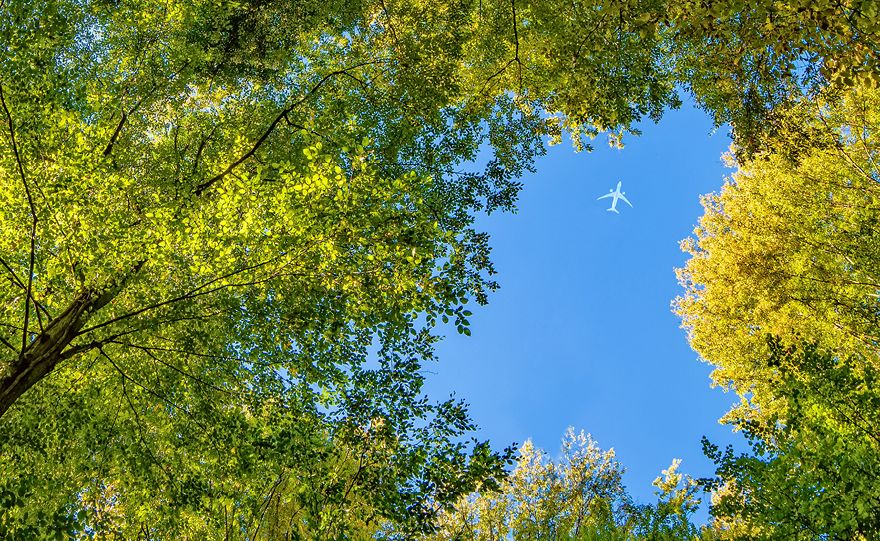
41,356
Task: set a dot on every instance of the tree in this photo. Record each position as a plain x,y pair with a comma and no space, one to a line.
816,474
163,157
228,230
750,62
262,463
580,496
781,297
209,209
790,248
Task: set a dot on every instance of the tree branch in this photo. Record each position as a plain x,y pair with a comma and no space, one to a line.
200,189
20,284
8,344
184,373
198,291
27,190
516,44
109,148
125,377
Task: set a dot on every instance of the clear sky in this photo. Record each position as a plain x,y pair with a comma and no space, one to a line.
581,333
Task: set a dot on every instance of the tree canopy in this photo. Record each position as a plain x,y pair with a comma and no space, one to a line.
814,473
230,229
782,298
789,248
580,496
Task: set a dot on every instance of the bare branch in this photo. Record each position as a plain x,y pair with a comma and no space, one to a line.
201,148
516,43
265,505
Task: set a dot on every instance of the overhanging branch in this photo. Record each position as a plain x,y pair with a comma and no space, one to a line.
200,189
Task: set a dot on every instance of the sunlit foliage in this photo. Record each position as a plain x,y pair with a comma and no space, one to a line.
579,496
230,230
782,298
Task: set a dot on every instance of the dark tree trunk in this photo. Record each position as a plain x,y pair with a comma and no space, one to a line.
41,356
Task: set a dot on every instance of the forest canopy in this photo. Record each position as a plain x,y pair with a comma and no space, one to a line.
230,230
781,296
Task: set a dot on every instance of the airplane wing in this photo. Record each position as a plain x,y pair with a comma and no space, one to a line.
604,196
626,200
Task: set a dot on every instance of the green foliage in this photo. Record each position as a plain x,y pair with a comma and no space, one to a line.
167,456
579,497
814,474
229,231
789,250
750,62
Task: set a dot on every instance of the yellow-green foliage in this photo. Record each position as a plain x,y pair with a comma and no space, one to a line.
578,497
782,297
790,249
213,213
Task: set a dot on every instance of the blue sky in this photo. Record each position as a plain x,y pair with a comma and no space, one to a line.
581,333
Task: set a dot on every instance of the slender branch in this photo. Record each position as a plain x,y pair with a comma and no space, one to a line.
170,78
156,394
293,124
841,147
390,24
15,277
266,503
125,377
496,74
27,190
83,348
265,135
860,133
193,293
20,284
15,327
515,58
153,356
109,148
516,44
202,144
354,478
8,344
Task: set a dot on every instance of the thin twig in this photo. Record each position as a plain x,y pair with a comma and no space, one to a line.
20,284
109,148
193,293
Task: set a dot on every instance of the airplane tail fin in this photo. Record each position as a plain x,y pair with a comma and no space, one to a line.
613,210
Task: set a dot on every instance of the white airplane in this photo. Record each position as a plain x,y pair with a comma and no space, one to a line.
616,194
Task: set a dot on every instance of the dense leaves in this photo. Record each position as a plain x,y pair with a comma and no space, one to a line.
815,474
781,297
750,62
789,247
580,497
231,229
228,230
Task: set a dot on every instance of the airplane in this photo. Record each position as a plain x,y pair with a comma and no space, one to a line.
616,194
